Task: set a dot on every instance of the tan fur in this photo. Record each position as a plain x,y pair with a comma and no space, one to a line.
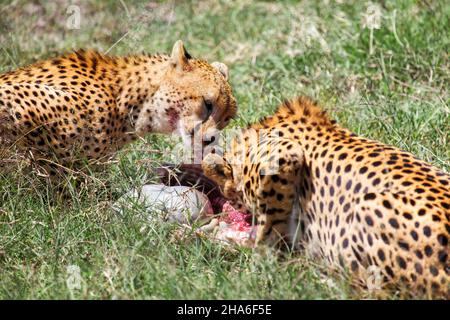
88,105
355,203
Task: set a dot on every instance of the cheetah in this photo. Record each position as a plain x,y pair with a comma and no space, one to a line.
88,105
354,203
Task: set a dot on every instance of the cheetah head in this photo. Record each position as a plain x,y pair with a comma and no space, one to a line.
255,163
221,172
194,97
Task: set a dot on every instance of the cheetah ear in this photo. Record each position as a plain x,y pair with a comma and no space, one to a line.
179,56
216,168
222,67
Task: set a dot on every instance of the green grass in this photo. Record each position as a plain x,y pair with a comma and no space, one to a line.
397,94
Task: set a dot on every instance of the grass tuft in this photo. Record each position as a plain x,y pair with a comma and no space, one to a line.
397,93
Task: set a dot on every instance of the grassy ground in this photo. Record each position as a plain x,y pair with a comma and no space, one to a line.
393,88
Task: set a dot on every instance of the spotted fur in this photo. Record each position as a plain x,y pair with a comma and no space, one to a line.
355,203
88,105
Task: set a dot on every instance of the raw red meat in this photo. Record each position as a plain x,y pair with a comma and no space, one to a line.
239,220
233,226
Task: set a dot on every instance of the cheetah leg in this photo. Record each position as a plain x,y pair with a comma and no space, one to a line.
274,198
